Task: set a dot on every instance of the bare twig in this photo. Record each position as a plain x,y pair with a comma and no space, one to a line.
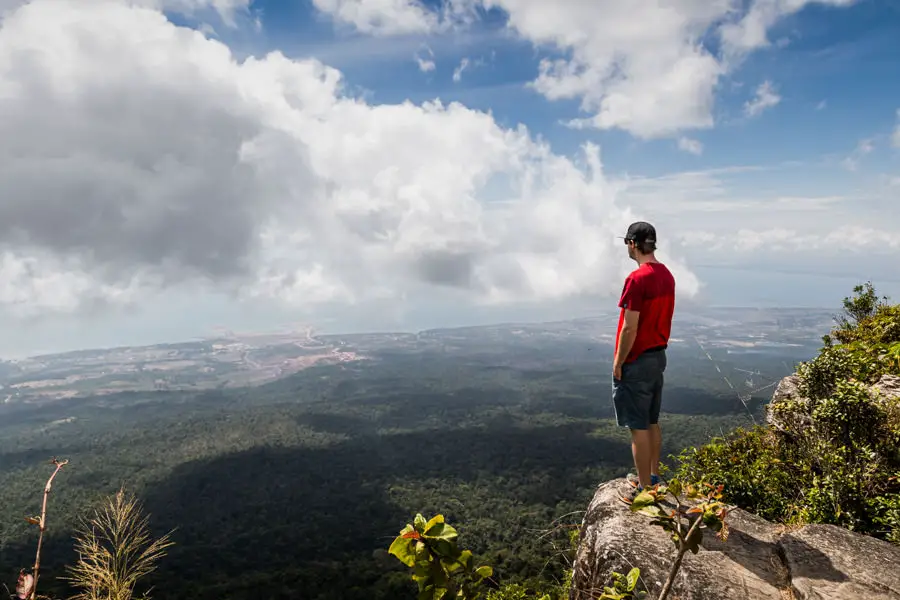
41,522
682,549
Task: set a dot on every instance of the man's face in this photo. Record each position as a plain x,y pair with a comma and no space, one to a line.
630,245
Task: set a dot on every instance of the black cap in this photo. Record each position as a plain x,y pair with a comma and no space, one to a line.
641,233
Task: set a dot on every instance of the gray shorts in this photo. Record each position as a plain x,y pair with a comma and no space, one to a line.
638,395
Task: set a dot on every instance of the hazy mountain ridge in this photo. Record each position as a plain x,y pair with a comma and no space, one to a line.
230,361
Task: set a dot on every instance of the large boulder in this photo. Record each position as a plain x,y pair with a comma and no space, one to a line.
759,560
790,411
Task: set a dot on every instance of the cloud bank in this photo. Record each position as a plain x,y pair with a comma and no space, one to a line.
643,66
150,158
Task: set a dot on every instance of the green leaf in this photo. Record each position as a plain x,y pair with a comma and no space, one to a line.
421,551
633,576
484,571
434,521
419,523
403,550
693,541
438,530
651,511
642,500
675,487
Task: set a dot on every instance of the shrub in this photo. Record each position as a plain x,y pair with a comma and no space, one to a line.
115,550
835,457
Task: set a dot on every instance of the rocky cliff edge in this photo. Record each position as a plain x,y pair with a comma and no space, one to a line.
758,561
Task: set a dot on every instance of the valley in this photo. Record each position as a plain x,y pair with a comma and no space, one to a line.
300,480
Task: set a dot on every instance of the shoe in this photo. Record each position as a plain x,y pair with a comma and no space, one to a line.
655,480
634,489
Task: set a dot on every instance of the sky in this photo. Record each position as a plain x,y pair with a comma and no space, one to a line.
174,168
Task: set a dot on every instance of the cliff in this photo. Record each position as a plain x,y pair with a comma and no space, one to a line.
759,559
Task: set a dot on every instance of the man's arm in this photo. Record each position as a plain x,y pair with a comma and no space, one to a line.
626,340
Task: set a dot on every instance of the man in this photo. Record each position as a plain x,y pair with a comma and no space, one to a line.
645,321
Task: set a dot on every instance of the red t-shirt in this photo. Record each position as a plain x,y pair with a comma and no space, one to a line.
650,290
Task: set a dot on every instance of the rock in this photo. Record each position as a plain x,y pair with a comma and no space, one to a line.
788,410
757,561
831,563
787,389
888,387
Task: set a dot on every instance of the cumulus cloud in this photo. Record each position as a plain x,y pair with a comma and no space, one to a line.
381,17
751,31
227,9
151,158
766,97
690,145
636,65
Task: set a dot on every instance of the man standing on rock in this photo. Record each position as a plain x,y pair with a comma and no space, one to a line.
645,321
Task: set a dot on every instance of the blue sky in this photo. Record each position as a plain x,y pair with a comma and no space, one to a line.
848,58
172,166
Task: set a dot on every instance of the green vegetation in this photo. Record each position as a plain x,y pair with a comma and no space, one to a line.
300,484
444,571
832,453
624,587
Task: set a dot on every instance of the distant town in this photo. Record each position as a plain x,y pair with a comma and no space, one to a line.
232,360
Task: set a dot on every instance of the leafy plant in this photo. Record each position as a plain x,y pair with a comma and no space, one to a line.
684,523
443,570
864,305
440,568
834,456
623,587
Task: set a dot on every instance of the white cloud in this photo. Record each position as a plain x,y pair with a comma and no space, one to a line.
458,71
690,145
751,31
738,216
637,65
766,97
821,105
150,159
227,9
381,17
895,139
863,149
634,64
426,64
849,238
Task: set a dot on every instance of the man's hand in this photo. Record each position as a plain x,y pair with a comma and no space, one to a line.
626,340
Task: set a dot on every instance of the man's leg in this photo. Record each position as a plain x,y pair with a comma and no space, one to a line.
642,451
632,398
655,406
